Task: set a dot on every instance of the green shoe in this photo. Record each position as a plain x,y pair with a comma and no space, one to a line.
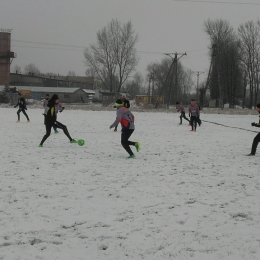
40,145
56,131
131,156
73,141
138,147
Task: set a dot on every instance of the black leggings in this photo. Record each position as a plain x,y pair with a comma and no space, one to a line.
22,110
57,125
126,133
193,122
183,116
255,143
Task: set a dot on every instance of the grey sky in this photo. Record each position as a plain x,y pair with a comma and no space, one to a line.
163,26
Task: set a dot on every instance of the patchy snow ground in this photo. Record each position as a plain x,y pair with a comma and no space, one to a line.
186,195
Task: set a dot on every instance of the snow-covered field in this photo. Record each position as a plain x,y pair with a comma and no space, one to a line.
186,195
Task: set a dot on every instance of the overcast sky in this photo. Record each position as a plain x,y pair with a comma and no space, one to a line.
53,34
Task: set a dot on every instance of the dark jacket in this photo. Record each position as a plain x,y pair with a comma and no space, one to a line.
21,103
50,115
126,103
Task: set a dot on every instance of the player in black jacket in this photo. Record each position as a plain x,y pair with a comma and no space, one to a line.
50,120
22,107
257,138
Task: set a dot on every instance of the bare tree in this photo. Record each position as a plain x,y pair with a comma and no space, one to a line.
31,69
185,83
249,34
91,73
165,76
113,58
226,72
17,69
71,74
163,72
135,86
49,74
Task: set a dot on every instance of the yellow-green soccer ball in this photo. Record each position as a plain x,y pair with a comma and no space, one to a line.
81,142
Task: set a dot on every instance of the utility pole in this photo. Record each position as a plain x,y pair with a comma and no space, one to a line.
149,90
172,71
175,73
198,75
151,77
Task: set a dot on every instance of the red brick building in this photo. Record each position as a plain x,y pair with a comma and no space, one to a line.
6,56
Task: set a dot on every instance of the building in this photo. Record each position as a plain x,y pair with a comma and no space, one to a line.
86,83
66,95
6,56
147,100
108,97
17,79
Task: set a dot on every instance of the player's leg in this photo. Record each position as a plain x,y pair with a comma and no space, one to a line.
64,128
48,132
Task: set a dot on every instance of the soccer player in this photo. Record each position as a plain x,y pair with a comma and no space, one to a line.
22,107
58,108
51,120
126,118
193,113
257,137
180,108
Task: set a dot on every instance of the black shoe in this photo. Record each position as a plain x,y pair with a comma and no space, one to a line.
251,154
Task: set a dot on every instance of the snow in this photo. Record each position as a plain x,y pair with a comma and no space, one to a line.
185,196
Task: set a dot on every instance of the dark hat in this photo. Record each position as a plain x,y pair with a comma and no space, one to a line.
119,103
47,95
258,105
177,103
54,97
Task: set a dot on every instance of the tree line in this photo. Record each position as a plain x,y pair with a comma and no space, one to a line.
235,56
232,77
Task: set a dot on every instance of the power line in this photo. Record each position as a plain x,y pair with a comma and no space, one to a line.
44,48
215,2
53,44
68,46
81,47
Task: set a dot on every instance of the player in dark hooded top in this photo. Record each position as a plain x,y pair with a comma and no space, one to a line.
22,107
51,120
180,108
257,137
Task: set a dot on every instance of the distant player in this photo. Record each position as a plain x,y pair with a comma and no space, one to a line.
180,108
257,138
22,107
126,118
198,118
193,114
126,102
